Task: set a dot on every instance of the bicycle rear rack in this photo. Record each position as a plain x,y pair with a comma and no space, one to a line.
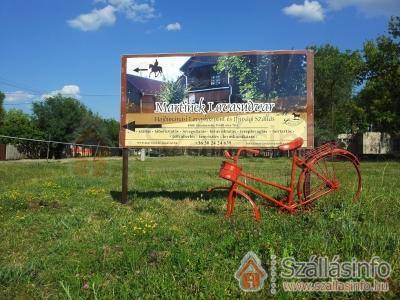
323,148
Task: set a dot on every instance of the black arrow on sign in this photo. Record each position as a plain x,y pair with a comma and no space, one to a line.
132,126
137,70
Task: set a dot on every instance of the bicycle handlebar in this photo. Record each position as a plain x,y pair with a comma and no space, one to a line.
227,154
235,158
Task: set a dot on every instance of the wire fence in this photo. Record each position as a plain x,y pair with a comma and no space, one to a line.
43,149
40,148
57,142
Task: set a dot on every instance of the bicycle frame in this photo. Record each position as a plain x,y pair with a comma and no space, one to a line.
289,202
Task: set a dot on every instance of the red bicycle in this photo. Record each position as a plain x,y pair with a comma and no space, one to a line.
324,170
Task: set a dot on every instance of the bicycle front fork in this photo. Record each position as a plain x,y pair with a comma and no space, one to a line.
234,191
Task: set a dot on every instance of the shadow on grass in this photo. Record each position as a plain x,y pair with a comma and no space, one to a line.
173,195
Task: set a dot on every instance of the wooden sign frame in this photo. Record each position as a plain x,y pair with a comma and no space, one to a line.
309,90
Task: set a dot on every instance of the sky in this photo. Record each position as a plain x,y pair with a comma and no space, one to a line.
75,47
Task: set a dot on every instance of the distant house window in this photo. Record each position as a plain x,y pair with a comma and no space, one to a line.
215,79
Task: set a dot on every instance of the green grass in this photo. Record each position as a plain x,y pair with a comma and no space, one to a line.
63,235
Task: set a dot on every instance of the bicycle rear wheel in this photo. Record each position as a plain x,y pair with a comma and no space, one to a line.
338,174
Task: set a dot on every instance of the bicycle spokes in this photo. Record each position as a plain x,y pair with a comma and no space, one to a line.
342,174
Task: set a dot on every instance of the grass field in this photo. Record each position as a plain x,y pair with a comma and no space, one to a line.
63,234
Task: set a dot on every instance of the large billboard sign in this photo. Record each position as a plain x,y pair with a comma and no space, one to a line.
256,99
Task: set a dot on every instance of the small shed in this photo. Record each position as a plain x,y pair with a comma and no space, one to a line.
371,143
10,152
376,143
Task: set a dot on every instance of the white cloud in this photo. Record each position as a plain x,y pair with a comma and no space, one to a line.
173,26
368,7
310,11
95,19
67,90
138,12
18,96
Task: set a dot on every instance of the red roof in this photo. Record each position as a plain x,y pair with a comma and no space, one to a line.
145,85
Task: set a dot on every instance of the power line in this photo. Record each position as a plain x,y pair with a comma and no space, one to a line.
31,92
19,86
19,103
38,92
42,92
56,142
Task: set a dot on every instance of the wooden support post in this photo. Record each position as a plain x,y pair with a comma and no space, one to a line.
97,149
48,148
124,194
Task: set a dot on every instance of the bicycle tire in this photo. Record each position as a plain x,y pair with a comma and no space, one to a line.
340,166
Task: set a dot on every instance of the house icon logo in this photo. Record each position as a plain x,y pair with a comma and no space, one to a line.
251,275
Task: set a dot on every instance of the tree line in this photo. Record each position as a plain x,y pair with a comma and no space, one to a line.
355,91
358,91
59,118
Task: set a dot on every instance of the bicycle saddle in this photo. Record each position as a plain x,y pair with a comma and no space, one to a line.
292,145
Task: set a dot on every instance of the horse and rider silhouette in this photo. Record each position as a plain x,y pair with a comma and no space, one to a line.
155,68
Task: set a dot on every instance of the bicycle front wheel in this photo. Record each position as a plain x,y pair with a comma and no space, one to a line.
336,172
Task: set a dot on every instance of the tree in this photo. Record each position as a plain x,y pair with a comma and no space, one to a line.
336,77
98,131
239,69
2,97
173,91
112,131
381,79
394,26
59,118
17,123
263,77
